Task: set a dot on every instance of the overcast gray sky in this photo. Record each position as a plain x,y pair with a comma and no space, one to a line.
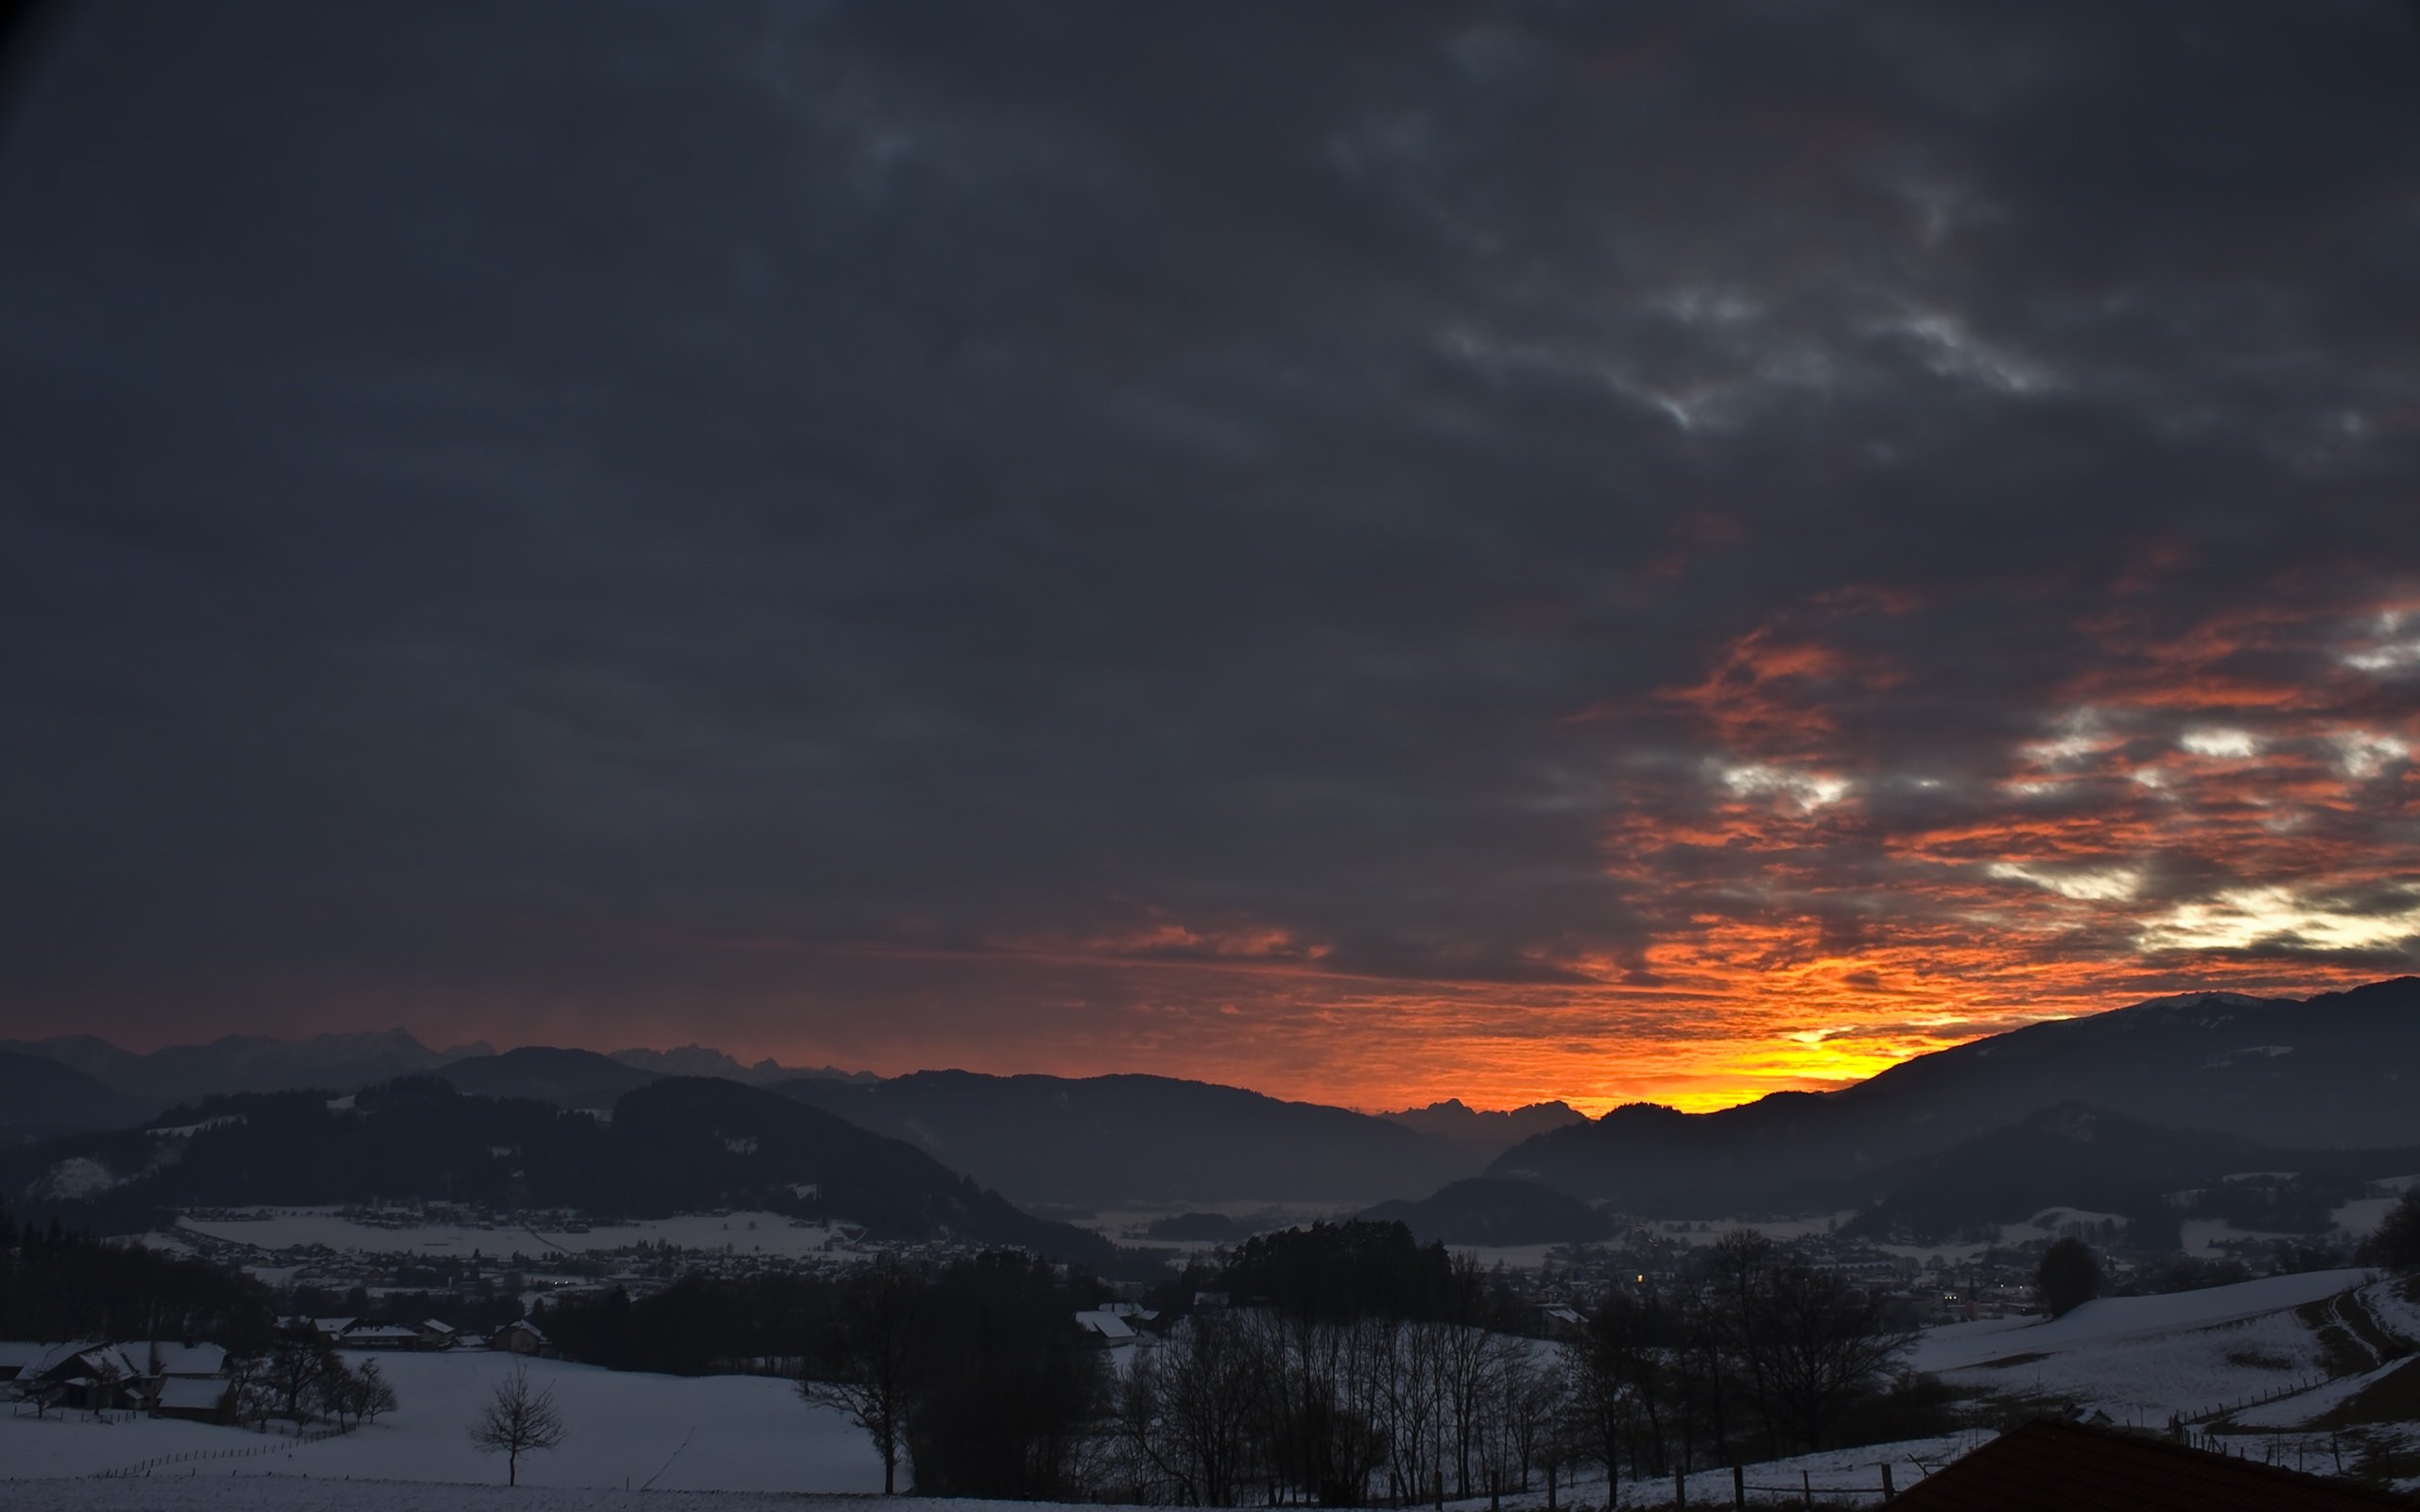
1369,551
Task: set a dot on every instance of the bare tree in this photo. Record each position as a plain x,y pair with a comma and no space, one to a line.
522,1420
365,1393
1827,1342
290,1377
868,1367
1196,1411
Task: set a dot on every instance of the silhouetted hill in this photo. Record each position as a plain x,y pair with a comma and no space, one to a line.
244,1063
678,1144
2070,1156
567,1078
1198,1227
705,1060
1109,1141
2073,1155
2335,1071
1493,1133
341,1062
1486,1210
40,1098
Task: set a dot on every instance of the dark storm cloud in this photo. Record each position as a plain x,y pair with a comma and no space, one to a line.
617,513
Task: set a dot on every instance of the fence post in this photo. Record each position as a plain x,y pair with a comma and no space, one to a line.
1738,1487
1806,1490
1887,1492
1680,1488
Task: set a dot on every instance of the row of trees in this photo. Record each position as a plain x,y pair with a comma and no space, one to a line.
979,1375
1362,1370
1756,1352
61,1284
301,1379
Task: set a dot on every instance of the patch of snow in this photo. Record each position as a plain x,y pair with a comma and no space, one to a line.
2361,1217
186,1131
77,1177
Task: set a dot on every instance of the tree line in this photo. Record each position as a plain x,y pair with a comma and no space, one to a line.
62,1284
1753,1352
1346,1365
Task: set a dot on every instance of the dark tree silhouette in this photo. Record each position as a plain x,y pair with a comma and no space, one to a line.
521,1421
2069,1276
2396,1244
868,1365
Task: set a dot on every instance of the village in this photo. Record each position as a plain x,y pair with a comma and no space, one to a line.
441,1277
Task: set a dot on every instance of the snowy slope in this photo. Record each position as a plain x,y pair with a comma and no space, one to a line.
719,1432
2142,1359
2112,1319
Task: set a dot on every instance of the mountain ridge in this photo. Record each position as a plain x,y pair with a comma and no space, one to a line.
2333,1070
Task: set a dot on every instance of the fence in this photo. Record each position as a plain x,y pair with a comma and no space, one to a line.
1804,1493
2292,1388
282,1444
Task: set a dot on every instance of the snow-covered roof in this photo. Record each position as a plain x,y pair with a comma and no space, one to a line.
523,1326
22,1355
84,1359
198,1394
436,1325
180,1359
1108,1325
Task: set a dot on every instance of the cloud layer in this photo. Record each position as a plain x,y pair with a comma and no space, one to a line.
1373,552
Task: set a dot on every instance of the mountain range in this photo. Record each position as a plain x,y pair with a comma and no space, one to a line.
2332,1072
2336,1071
677,1145
1116,1142
157,1079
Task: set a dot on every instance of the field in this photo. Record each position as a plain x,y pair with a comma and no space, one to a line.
743,1233
2248,1362
715,1433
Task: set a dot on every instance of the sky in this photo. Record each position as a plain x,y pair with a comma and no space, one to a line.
1372,552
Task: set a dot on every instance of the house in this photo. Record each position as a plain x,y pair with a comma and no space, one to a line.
90,1377
436,1334
1561,1321
2079,1469
521,1337
17,1359
1106,1326
179,1362
196,1399
379,1336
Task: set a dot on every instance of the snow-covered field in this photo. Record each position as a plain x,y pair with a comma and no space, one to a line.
712,1433
743,1233
1851,1477
2142,1358
1713,1231
202,1493
1956,1344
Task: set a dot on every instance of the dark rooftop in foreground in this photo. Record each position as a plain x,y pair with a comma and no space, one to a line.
2077,1469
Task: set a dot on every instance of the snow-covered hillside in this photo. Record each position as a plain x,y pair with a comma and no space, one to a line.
722,1433
2185,1355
